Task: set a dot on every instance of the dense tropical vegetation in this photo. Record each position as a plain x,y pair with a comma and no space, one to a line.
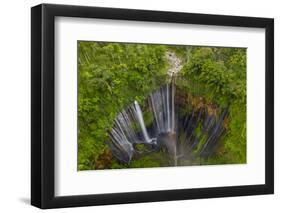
220,76
113,75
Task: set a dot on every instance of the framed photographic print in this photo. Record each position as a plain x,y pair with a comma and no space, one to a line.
139,106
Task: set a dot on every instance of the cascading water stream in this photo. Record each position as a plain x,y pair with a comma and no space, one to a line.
139,115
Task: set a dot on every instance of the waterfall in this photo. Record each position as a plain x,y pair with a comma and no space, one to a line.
139,116
173,108
162,105
129,127
193,131
168,108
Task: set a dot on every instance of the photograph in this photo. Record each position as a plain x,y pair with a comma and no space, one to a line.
160,105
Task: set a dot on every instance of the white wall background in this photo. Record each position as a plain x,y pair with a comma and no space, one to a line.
15,105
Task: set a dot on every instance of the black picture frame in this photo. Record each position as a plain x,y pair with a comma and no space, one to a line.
43,105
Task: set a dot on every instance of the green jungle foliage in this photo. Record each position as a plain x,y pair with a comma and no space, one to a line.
112,75
220,76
